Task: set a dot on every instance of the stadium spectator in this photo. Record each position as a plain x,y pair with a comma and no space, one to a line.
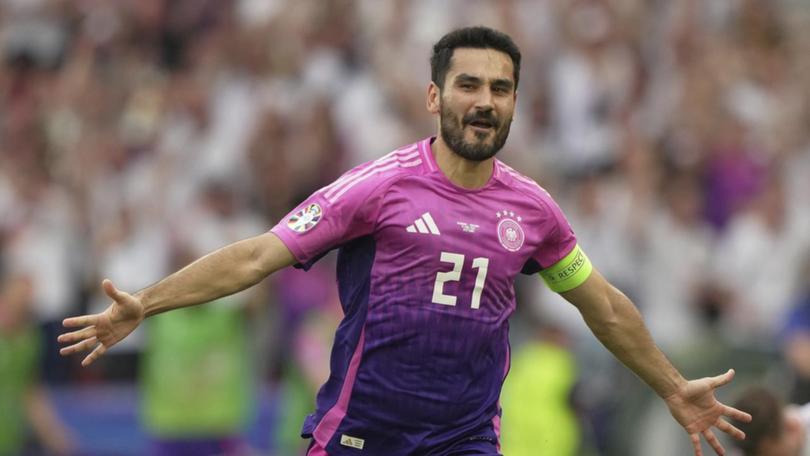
25,402
197,378
795,338
543,372
757,264
776,429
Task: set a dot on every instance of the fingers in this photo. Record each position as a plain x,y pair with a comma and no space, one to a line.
696,444
84,345
81,334
75,322
94,355
721,380
710,437
729,429
111,291
736,414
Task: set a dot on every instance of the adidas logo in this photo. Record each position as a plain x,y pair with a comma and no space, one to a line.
424,225
354,442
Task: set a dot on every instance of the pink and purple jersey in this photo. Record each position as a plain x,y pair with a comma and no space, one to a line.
425,275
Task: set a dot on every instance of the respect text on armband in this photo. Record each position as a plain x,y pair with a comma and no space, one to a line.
572,268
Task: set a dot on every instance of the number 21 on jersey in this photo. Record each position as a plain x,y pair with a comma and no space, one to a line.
454,275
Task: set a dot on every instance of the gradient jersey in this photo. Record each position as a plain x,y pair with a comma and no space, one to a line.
425,275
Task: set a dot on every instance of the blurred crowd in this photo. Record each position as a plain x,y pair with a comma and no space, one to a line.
137,135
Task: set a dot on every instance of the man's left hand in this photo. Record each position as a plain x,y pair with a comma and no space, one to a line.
698,411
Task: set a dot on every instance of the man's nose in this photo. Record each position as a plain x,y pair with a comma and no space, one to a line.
484,101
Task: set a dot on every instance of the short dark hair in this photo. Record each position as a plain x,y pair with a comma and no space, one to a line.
477,37
766,410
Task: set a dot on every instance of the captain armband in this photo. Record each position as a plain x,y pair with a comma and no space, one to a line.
568,273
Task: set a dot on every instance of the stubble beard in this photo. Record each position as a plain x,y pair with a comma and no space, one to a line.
452,131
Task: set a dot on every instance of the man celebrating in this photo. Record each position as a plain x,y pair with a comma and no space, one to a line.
430,239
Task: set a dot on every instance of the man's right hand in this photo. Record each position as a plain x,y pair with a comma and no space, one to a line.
103,330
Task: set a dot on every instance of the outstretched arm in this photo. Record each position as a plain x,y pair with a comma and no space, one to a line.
223,272
616,322
220,273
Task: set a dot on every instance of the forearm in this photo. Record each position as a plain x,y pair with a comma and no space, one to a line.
621,330
616,322
619,326
220,273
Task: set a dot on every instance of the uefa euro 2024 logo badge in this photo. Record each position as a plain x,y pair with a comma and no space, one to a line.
305,219
509,231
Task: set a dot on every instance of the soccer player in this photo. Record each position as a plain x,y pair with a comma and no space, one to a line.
430,239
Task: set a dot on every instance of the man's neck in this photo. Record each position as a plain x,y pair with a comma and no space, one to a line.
465,173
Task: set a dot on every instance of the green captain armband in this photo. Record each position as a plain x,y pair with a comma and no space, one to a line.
568,273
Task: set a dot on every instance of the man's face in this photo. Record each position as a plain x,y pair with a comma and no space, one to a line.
477,103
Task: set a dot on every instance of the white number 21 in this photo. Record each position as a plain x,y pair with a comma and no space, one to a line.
455,274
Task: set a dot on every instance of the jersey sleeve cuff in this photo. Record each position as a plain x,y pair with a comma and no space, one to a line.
568,273
289,240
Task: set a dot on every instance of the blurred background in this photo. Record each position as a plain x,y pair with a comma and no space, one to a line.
137,135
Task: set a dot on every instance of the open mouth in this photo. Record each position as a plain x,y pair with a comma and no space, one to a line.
482,125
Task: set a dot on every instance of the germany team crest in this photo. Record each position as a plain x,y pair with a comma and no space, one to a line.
509,231
305,219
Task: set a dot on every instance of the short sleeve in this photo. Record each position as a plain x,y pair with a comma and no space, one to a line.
563,264
344,210
558,240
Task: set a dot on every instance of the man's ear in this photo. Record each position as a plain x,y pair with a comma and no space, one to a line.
433,98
